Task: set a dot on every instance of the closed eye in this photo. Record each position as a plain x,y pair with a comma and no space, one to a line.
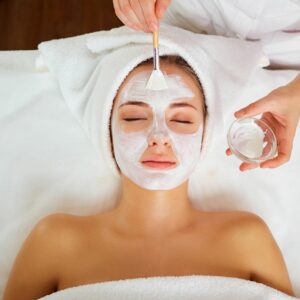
181,121
138,119
133,119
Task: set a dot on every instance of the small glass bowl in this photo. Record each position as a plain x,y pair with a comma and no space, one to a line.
252,140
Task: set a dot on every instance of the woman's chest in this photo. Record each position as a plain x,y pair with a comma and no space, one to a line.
107,260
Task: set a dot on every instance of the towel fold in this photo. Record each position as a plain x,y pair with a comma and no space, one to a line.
91,68
191,287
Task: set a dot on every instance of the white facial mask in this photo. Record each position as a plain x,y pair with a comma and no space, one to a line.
129,147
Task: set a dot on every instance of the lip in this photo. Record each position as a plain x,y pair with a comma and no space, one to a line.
159,163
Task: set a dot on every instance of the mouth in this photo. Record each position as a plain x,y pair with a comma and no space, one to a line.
159,164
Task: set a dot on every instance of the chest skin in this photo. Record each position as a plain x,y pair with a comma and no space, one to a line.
96,253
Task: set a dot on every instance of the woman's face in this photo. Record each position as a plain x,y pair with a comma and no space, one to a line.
157,126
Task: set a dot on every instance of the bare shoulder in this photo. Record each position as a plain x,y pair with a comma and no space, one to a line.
229,228
245,220
63,230
248,231
235,222
56,221
259,250
35,271
53,222
245,229
55,227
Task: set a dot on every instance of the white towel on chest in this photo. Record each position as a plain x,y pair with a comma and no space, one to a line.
91,68
193,287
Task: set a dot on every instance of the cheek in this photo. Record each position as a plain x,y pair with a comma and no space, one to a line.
129,147
187,146
125,135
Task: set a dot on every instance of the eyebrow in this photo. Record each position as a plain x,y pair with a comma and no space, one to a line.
182,104
143,104
139,103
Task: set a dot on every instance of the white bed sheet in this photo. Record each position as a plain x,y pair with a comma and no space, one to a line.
47,164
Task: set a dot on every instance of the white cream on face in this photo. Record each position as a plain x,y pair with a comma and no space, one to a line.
129,147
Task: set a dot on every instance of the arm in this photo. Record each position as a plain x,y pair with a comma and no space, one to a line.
266,261
35,270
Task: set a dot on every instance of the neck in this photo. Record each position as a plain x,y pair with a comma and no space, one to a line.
142,212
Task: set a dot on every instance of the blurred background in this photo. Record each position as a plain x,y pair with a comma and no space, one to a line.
26,23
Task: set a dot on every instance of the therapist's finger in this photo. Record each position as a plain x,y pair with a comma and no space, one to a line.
128,11
284,146
255,108
136,7
148,8
284,153
160,7
247,166
122,16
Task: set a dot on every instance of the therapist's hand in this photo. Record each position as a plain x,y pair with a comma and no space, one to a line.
280,109
141,15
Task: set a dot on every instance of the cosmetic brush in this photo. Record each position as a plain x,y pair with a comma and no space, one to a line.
157,80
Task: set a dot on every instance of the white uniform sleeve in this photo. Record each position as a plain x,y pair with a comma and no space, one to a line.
276,23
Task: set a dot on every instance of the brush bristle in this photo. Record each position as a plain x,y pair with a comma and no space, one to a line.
157,81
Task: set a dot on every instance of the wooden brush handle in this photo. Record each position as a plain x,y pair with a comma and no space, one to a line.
155,39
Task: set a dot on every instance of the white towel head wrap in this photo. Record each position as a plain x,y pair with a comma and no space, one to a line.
91,68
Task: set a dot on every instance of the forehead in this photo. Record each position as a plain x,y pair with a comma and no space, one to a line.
180,85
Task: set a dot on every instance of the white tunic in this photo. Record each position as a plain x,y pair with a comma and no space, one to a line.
275,22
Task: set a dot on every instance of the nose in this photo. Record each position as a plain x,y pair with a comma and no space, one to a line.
159,139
